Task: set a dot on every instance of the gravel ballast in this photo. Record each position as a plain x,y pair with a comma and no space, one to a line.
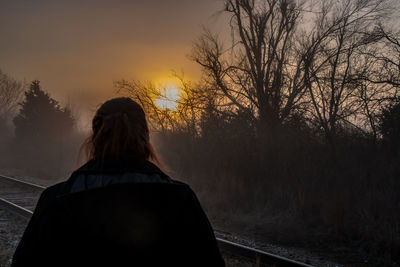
11,230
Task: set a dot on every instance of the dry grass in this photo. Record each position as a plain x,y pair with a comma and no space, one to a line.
291,190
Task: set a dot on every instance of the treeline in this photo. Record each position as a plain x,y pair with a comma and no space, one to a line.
38,136
293,132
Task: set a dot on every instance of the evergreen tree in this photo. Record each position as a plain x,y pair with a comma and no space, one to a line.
41,119
45,142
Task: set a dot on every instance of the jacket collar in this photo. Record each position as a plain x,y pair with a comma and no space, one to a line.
113,165
99,173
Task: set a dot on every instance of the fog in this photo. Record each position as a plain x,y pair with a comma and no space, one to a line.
288,131
77,49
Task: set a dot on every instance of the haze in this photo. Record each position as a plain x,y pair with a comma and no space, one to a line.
78,48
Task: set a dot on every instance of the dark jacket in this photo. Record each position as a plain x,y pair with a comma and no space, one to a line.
125,213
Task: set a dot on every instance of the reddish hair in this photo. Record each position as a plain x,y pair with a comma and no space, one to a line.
120,130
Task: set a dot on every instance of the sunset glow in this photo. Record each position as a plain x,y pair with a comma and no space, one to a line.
105,42
169,97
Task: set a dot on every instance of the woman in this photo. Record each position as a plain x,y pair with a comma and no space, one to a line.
118,209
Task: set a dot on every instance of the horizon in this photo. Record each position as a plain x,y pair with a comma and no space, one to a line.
77,50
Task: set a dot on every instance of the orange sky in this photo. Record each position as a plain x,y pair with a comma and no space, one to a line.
77,48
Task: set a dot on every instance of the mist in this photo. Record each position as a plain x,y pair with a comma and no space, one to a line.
288,130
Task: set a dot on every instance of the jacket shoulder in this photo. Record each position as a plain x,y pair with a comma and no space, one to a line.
49,196
54,190
180,183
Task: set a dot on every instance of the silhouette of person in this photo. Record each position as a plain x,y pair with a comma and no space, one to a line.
118,209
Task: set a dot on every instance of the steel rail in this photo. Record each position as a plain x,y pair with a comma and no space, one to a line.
258,256
36,186
14,208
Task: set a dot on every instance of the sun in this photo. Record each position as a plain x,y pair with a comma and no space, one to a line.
169,96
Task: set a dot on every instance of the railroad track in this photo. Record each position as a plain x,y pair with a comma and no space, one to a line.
20,197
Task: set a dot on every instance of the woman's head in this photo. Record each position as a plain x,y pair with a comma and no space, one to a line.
120,131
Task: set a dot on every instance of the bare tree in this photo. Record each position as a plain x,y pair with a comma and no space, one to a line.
381,82
10,94
145,94
345,29
262,74
386,58
301,56
184,117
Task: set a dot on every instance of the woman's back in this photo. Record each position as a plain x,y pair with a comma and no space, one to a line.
137,217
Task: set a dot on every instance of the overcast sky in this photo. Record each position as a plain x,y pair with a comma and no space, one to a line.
77,48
